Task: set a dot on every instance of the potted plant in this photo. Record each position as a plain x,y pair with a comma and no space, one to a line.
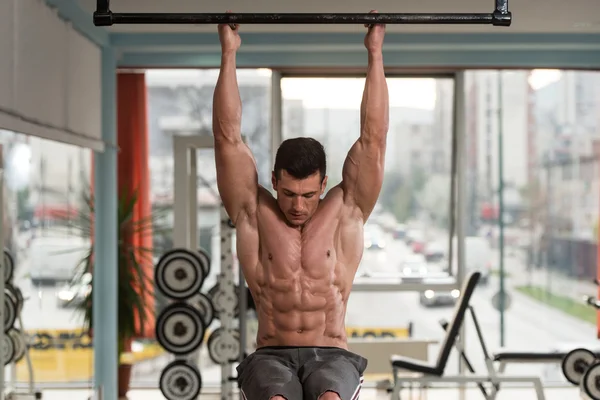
135,284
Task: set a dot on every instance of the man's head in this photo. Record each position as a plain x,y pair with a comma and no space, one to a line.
299,178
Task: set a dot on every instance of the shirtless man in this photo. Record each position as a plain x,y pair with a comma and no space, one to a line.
300,253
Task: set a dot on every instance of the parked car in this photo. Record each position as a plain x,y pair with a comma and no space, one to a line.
438,297
413,268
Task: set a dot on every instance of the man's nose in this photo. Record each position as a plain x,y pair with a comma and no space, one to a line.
297,203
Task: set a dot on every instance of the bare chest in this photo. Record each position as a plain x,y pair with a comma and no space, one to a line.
308,254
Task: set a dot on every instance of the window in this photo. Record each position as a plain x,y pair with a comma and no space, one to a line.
45,184
180,103
550,223
411,217
550,215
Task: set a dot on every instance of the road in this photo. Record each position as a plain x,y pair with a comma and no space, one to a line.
529,324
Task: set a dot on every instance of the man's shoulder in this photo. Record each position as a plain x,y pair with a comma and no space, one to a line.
336,198
265,197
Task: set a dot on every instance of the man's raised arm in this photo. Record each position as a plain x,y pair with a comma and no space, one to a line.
237,178
362,175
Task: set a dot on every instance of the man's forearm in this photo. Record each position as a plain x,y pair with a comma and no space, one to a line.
374,109
227,104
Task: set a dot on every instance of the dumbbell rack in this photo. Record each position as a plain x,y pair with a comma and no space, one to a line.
185,200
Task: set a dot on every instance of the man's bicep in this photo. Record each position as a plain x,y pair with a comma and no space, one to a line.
362,175
237,177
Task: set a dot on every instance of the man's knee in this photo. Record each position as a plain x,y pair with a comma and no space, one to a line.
329,395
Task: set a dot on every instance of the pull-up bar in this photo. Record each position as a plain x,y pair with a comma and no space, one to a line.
105,17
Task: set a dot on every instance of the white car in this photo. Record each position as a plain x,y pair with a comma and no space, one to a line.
437,297
413,266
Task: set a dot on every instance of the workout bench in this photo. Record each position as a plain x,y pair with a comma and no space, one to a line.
505,357
435,373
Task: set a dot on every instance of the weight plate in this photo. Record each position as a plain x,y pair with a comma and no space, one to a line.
19,343
205,261
180,381
204,306
224,346
10,312
575,363
223,301
20,298
16,295
9,266
590,383
179,274
180,329
8,349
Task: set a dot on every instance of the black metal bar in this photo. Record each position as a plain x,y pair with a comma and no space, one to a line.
103,6
464,357
104,18
501,6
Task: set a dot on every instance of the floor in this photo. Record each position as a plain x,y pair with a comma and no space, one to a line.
367,394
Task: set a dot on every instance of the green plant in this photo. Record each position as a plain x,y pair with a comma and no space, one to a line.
133,260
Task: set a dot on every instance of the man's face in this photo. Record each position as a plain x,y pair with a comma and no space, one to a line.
298,199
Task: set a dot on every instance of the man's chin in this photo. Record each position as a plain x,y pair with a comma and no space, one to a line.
296,221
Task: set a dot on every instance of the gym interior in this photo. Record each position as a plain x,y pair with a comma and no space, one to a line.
478,279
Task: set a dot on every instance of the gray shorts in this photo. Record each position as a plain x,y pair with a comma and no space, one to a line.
300,373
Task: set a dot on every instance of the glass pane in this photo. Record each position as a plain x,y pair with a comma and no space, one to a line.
44,197
180,103
407,234
550,126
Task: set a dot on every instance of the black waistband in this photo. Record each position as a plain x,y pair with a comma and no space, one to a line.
298,347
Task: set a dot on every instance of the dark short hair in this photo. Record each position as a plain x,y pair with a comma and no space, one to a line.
300,157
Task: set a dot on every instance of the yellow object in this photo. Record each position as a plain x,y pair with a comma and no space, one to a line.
365,333
67,356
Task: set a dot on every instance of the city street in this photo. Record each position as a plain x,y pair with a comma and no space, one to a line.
529,325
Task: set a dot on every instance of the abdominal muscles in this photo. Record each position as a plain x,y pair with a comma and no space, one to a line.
301,306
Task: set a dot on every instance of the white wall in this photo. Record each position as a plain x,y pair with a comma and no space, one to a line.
50,76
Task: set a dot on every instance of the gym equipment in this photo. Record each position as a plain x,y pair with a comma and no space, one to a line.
585,369
8,349
592,302
103,16
206,261
576,363
224,301
224,346
435,373
590,382
19,342
180,381
16,295
180,329
204,306
179,273
185,234
9,266
10,310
